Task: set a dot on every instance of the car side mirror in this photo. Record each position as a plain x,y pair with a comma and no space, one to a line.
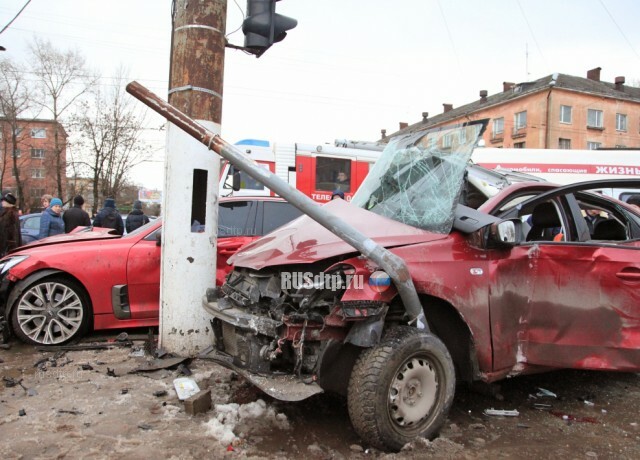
506,233
236,184
159,238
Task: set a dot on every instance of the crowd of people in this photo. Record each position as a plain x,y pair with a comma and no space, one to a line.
53,221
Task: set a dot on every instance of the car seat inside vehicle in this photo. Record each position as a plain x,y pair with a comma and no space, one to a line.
609,229
545,223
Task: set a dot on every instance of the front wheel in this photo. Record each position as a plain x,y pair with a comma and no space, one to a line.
401,389
51,311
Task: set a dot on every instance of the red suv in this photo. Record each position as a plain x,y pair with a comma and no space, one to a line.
511,277
54,290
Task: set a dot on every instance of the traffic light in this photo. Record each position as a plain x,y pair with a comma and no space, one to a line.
263,26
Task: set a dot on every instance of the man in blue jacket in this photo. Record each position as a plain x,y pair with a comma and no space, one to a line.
109,217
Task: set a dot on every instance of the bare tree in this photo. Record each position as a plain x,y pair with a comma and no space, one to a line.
15,101
110,145
64,78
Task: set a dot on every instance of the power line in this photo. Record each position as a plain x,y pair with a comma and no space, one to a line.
15,17
619,29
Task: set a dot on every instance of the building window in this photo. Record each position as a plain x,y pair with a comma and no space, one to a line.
38,133
565,114
594,118
37,153
498,126
37,174
520,120
18,131
593,145
36,192
519,145
447,140
621,122
16,153
463,136
564,144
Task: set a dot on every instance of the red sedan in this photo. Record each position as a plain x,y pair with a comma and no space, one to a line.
56,289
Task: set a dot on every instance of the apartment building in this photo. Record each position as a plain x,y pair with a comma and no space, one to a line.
556,111
35,160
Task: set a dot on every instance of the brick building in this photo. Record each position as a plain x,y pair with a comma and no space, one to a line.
556,111
34,152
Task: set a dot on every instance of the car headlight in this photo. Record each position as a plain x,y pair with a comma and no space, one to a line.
9,262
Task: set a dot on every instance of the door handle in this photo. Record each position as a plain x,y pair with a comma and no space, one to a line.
632,274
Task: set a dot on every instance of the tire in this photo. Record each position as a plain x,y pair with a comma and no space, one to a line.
51,311
401,389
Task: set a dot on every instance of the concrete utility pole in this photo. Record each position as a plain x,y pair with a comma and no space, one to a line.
190,199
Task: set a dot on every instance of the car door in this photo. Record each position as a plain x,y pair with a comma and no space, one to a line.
143,275
574,302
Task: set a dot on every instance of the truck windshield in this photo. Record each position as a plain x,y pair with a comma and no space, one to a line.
419,177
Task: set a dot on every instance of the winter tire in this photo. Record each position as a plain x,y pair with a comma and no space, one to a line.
51,311
401,389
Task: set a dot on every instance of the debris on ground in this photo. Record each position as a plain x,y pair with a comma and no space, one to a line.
501,413
185,387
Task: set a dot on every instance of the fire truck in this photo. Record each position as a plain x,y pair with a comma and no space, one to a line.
317,170
565,167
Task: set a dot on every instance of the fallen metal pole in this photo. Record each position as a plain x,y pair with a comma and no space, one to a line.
393,265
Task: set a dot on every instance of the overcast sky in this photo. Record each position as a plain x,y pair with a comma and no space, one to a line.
351,67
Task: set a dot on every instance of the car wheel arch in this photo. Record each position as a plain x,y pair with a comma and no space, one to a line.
24,283
447,323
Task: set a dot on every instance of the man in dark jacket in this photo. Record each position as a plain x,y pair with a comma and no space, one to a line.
76,216
136,217
10,237
109,217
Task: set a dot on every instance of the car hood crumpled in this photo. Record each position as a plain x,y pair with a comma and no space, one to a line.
306,241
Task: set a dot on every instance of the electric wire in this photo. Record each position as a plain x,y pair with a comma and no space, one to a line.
15,17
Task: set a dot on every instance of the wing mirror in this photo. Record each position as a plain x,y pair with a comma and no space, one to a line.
236,184
506,233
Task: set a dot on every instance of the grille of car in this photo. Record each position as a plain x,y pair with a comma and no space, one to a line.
229,339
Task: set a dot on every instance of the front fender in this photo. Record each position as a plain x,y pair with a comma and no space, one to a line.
21,285
359,271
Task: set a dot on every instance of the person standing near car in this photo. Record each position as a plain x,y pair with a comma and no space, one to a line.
109,217
136,217
10,237
76,216
51,222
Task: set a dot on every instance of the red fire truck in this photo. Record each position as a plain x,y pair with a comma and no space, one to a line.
315,169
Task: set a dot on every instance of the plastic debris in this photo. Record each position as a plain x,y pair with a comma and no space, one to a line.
589,403
69,411
540,406
145,426
544,392
503,413
160,393
185,387
22,412
111,372
86,367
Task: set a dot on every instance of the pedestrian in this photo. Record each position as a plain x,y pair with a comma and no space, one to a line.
109,217
51,222
10,237
337,194
136,217
45,201
76,216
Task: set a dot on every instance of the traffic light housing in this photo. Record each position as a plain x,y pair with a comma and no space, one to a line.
263,26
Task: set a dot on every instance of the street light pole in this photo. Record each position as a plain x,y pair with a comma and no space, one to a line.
190,199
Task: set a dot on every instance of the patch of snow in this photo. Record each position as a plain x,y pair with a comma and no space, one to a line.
229,416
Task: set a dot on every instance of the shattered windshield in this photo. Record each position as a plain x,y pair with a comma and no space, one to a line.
419,177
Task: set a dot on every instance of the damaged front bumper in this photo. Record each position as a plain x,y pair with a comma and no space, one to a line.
282,386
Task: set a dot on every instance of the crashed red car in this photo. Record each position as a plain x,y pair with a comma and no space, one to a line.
511,276
54,290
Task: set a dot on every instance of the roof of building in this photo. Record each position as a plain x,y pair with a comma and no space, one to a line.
561,81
